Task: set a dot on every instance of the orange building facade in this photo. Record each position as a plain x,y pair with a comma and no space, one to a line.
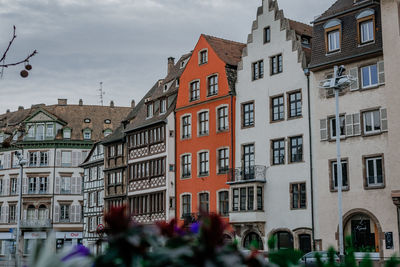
205,129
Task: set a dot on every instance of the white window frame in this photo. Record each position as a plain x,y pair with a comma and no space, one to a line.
87,134
163,106
67,133
199,56
207,122
207,163
369,31
149,111
369,76
190,166
189,126
64,156
372,118
375,175
333,127
219,129
335,45
48,127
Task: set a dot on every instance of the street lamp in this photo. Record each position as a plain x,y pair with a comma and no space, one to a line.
338,83
21,163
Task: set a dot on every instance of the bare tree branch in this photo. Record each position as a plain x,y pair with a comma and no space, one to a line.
9,45
19,62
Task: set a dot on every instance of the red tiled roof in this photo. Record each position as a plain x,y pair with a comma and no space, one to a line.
228,51
300,28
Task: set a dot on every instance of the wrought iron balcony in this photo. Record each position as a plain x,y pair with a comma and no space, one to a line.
46,223
255,173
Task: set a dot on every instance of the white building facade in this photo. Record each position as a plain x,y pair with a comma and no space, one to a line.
271,189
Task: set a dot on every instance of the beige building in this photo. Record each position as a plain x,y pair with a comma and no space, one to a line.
391,46
350,33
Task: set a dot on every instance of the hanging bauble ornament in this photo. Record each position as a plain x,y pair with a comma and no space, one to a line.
28,67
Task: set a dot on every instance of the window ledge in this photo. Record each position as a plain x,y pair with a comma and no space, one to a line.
202,134
335,190
249,126
295,117
372,187
222,130
276,121
201,175
334,52
295,162
185,177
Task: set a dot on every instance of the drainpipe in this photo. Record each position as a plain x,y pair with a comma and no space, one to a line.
231,93
307,73
175,169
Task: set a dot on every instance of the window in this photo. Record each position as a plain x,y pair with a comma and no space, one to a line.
278,112
31,130
278,152
12,213
32,185
111,151
163,106
223,197
186,127
332,125
294,104
243,197
49,130
223,123
248,162
186,166
212,85
44,158
42,213
366,31
43,185
203,123
223,160
204,163
276,64
66,158
67,133
120,149
253,240
235,199
13,184
86,120
250,196
194,90
260,198
267,34
334,175
40,132
296,149
298,196
87,134
64,213
65,185
248,114
107,121
30,213
258,70
92,197
186,206
369,76
372,122
149,110
204,202
33,159
333,40
374,171
203,57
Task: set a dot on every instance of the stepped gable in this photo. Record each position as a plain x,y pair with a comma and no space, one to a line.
291,28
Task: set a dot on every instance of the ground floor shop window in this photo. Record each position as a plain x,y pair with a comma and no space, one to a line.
67,242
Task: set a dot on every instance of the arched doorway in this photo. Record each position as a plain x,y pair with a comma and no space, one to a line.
284,239
365,231
253,239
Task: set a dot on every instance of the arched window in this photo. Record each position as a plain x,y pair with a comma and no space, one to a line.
42,212
284,239
251,240
30,214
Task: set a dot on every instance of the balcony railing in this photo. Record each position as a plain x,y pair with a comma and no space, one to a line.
46,223
256,173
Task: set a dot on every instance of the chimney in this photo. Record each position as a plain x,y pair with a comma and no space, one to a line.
171,63
133,103
20,108
8,111
62,101
80,102
111,103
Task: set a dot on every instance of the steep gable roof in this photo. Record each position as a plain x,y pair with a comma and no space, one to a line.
228,51
300,28
339,6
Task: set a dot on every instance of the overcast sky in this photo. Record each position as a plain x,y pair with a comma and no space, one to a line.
123,43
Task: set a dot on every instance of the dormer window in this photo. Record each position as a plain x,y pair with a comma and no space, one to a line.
149,110
87,134
366,26
40,132
87,120
67,133
165,87
31,130
177,82
182,64
203,57
107,121
163,106
332,35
